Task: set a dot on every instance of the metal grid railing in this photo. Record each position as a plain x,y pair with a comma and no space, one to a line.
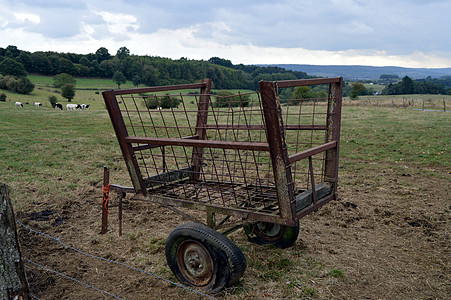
214,149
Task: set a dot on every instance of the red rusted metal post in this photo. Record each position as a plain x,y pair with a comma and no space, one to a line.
106,181
201,129
120,213
127,149
278,150
333,131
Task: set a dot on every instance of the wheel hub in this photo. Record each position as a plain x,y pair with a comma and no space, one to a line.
195,262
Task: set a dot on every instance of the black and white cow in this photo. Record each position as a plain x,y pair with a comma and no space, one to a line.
37,104
59,105
18,104
73,106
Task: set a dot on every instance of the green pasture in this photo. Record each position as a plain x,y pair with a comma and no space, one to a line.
87,91
48,157
45,151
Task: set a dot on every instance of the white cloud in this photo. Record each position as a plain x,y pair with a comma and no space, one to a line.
119,23
25,17
402,33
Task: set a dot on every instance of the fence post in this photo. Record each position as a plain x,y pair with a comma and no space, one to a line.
13,283
105,188
444,105
423,106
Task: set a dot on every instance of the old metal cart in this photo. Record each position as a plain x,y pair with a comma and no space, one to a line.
258,161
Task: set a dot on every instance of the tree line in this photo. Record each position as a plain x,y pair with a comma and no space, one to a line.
148,70
428,85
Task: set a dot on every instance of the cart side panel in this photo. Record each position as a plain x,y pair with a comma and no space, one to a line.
201,130
311,118
333,133
278,149
121,133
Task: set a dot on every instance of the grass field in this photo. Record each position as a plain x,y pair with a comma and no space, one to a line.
394,172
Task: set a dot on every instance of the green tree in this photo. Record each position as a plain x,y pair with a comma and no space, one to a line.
122,53
68,91
85,62
136,80
168,101
67,66
221,62
3,97
61,79
25,60
108,67
102,54
229,99
24,86
150,75
14,51
357,89
9,66
303,93
119,78
53,100
407,85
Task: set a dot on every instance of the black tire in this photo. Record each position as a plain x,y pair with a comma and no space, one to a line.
263,233
203,258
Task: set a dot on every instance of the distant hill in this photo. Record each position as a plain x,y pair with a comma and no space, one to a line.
365,72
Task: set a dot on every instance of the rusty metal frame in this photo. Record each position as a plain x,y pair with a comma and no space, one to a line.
269,91
290,204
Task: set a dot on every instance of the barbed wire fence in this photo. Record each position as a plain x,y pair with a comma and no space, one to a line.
102,259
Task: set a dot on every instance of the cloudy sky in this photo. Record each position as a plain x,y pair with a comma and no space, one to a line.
408,33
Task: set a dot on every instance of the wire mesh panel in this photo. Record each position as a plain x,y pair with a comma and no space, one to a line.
183,143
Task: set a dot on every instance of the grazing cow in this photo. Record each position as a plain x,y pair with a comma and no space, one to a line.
37,104
18,104
59,105
84,106
73,106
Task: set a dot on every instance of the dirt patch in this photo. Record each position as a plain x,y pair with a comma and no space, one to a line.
387,237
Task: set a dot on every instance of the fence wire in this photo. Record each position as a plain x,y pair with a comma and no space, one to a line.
71,278
107,260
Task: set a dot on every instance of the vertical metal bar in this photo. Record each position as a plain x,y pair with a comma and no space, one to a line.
277,149
333,131
106,181
211,219
312,179
201,131
120,213
127,149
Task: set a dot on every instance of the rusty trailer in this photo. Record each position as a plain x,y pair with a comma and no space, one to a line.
258,161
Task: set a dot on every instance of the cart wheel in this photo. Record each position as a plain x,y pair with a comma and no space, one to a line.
203,258
263,233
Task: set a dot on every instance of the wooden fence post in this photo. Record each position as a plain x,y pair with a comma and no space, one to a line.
13,283
444,105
